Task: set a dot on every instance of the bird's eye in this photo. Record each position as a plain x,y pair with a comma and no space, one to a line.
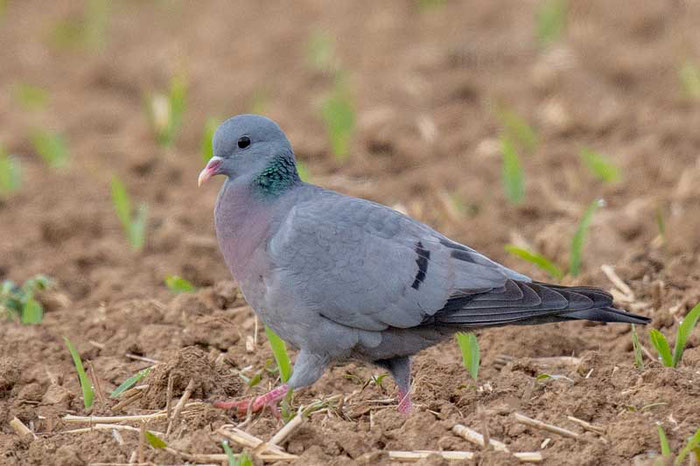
243,142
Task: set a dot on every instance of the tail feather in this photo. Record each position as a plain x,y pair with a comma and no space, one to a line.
526,303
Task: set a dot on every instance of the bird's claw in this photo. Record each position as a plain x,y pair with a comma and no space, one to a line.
254,405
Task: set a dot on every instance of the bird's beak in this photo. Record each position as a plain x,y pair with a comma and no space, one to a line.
210,170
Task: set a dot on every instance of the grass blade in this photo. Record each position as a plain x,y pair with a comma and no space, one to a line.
689,75
137,228
579,237
550,21
229,453
51,147
122,205
469,346
658,340
130,382
279,349
154,440
512,172
85,384
32,312
537,259
207,147
684,329
517,128
10,174
600,166
30,97
693,445
637,347
339,118
178,284
665,448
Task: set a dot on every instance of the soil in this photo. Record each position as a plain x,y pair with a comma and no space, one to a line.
423,84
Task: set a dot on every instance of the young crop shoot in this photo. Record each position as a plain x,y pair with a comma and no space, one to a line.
130,382
177,284
165,111
85,385
513,178
537,259
600,166
155,441
685,328
279,350
663,441
689,75
10,174
320,51
241,460
339,118
134,225
20,301
693,446
51,147
469,346
30,97
550,21
516,128
207,147
579,238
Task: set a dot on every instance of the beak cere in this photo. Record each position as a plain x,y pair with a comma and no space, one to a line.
210,170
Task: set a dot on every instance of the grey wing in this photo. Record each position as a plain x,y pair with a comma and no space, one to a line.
366,266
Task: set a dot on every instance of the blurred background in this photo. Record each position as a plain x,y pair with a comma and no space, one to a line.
555,136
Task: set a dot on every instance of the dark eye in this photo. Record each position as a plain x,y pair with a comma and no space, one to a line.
243,142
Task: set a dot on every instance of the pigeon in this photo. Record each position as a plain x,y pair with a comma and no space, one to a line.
341,278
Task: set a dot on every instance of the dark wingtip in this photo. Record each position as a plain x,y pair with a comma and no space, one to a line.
610,314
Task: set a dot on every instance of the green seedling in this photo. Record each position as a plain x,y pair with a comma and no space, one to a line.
303,171
516,128
30,97
20,301
134,225
512,174
207,147
130,382
178,284
85,384
685,328
86,31
693,446
578,240
469,346
10,174
637,347
51,147
550,21
689,75
537,259
378,380
320,52
543,378
663,440
155,441
241,460
600,166
165,111
279,350
339,118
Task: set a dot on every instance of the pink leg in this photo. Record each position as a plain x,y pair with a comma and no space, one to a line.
268,399
405,406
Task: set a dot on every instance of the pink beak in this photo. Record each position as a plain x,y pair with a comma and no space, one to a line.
210,170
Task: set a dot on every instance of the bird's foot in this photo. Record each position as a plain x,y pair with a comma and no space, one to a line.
405,407
269,399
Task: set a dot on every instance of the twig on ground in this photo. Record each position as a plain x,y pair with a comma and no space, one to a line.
96,383
105,427
544,426
180,404
21,429
609,272
141,358
128,400
417,455
476,438
117,436
169,395
97,344
244,439
287,429
590,427
142,441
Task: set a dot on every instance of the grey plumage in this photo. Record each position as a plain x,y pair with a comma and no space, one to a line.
340,277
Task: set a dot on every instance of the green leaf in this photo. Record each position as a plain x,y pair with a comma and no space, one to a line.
177,99
178,284
693,445
637,347
121,202
469,346
229,453
30,97
51,147
689,75
579,237
516,128
279,350
684,329
339,118
512,172
665,448
206,145
537,259
134,228
599,166
32,312
550,21
658,340
137,230
85,384
154,440
130,382
10,173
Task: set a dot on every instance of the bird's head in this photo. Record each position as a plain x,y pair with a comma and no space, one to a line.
245,146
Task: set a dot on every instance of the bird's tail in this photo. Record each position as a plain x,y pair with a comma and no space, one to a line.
530,303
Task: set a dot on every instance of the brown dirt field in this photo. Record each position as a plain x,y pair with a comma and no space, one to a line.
422,84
